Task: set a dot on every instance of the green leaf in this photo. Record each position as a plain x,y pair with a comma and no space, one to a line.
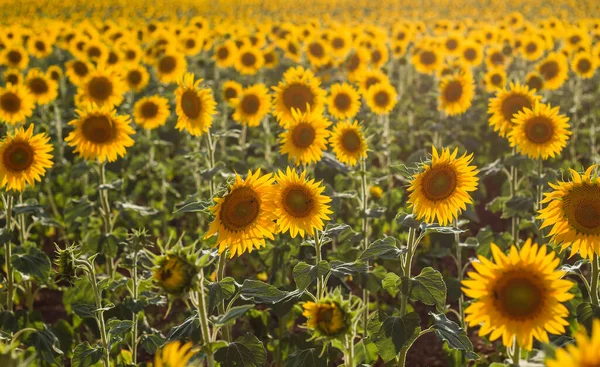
434,227
407,220
80,210
114,185
365,352
117,327
306,358
333,230
246,351
391,283
586,313
452,333
384,248
151,342
259,292
305,274
232,314
517,205
85,355
194,206
185,329
33,262
394,333
341,269
220,291
429,288
27,208
45,344
141,210
573,269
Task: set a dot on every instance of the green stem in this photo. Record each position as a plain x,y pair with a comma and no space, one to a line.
134,328
594,281
220,275
8,255
406,267
459,270
539,186
204,327
349,351
267,128
151,146
59,132
211,161
105,204
516,357
320,284
365,230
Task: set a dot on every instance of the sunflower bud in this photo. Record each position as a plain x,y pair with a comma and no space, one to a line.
65,261
329,318
174,274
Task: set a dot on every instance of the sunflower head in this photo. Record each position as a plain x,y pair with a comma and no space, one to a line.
231,91
43,89
584,352
151,112
102,87
518,296
441,191
329,318
348,142
456,93
507,104
13,76
174,354
16,105
170,66
584,64
252,105
343,101
174,273
534,81
381,98
305,138
24,158
195,106
300,90
495,80
376,192
137,77
554,69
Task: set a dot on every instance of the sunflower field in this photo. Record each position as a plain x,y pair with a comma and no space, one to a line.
245,183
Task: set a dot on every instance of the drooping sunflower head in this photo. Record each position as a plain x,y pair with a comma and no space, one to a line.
381,98
100,134
195,106
519,296
330,317
41,88
174,354
554,69
573,211
441,191
244,217
170,66
252,105
15,104
584,64
151,112
507,104
348,142
343,101
495,80
584,352
539,132
24,158
137,77
456,93
249,60
305,138
300,89
300,206
174,273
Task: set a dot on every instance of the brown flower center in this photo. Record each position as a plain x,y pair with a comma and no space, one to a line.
191,104
248,59
18,156
100,88
539,130
14,57
167,64
439,182
427,57
582,208
37,85
250,104
10,102
549,70
99,129
80,68
134,77
149,110
303,135
513,104
298,95
316,49
298,201
519,296
351,141
453,91
382,98
342,101
239,209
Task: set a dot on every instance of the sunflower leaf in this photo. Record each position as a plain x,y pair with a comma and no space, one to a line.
394,333
246,351
306,358
407,220
384,248
341,269
33,262
305,274
220,291
232,314
450,332
259,292
429,288
85,355
586,313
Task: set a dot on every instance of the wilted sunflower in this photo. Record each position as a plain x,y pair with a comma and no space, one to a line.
427,60
554,69
305,138
102,87
249,60
534,81
330,317
42,89
584,352
174,273
539,132
100,134
151,112
244,217
300,90
441,191
78,70
252,105
231,91
573,211
381,98
24,158
348,142
300,205
174,354
584,65
343,101
519,296
15,104
456,93
14,56
225,54
137,78
507,104
317,52
170,66
195,107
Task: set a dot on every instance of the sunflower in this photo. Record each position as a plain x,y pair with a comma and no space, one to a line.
398,50
231,91
452,44
137,78
151,112
291,49
539,132
24,158
369,78
305,137
78,70
343,101
356,63
195,107
15,104
95,51
174,354
584,65
300,205
441,191
519,296
249,60
39,46
317,52
348,142
427,60
299,89
496,58
534,81
340,43
381,98
507,104
330,317
54,72
42,89
456,93
245,216
471,53
170,66
252,105
554,69
575,38
532,48
379,55
190,42
174,274
100,134
573,211
271,57
14,56
103,88
495,80
13,76
584,352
